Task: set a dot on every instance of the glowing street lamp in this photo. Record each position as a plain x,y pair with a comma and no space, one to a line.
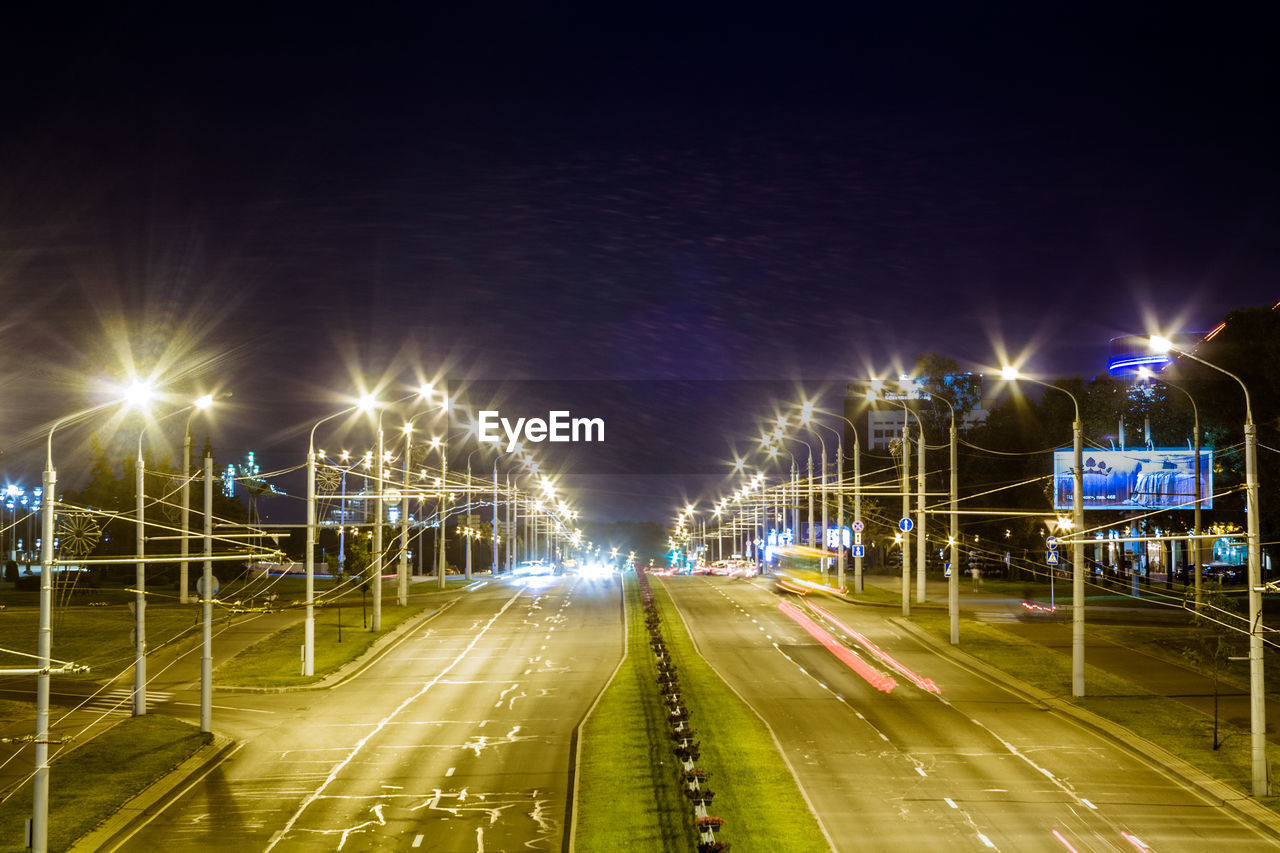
1257,696
138,395
1010,373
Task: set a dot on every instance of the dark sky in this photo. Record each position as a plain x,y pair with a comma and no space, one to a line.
288,200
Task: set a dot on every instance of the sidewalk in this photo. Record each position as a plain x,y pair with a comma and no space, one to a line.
1156,674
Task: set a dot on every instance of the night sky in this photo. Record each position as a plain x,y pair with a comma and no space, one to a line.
290,201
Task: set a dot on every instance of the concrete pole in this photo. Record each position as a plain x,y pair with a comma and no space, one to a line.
442,567
811,530
857,507
823,539
402,566
906,514
468,538
309,558
493,567
840,515
921,544
953,582
186,513
139,596
206,605
379,513
1195,542
1077,561
1257,694
44,650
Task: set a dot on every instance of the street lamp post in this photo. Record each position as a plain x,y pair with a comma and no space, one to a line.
206,605
140,579
906,499
1257,696
444,494
138,394
953,538
1146,373
1077,537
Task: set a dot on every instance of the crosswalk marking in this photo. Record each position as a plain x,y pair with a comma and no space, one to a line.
120,701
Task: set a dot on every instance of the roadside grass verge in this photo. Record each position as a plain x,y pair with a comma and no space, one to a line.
99,637
1181,730
91,783
628,782
755,791
276,661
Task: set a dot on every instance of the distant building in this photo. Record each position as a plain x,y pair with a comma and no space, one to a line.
881,420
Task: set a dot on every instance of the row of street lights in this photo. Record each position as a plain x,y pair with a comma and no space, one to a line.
1260,772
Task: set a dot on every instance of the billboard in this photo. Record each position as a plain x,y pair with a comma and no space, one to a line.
1162,478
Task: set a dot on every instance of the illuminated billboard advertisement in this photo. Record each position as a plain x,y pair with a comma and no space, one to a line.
1163,478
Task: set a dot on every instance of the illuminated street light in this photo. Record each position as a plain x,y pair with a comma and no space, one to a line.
201,403
1257,696
137,395
140,582
1145,373
1010,373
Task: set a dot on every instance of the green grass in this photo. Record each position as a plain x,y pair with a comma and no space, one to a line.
1181,730
93,782
755,791
628,783
99,637
275,661
12,711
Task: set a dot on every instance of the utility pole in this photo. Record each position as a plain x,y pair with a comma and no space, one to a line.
206,605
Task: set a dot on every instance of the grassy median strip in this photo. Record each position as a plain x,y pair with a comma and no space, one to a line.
277,660
99,637
755,791
91,783
1180,729
628,783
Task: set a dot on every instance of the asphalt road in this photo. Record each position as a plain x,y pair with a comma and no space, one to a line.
457,739
973,767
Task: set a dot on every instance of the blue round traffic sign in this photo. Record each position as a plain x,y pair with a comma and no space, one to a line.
905,525
858,527
1052,542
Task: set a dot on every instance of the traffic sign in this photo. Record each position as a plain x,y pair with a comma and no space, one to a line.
859,550
857,539
858,527
1052,558
947,572
905,525
1052,542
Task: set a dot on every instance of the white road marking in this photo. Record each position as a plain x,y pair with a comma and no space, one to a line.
333,774
447,773
417,840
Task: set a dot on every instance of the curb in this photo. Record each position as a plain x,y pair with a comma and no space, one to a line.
116,829
351,668
571,834
1213,790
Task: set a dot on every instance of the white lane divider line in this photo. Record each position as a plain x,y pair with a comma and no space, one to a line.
417,840
384,722
449,772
